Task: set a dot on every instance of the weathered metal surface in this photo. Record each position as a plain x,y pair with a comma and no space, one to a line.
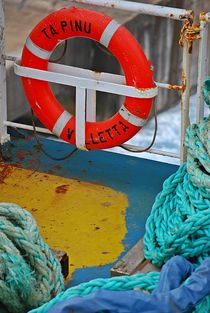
84,219
185,98
176,87
147,266
46,186
131,262
134,262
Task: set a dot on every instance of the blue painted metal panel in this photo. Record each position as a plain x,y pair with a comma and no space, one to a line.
140,179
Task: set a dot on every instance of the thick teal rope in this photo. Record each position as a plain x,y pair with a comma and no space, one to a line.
179,222
30,275
140,281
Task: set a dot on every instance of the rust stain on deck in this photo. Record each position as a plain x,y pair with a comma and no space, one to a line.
61,189
21,154
5,171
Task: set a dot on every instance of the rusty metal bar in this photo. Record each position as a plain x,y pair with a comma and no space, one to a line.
143,8
185,98
169,86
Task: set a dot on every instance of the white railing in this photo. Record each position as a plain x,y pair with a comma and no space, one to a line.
109,82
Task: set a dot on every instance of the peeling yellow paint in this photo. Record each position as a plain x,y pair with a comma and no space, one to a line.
86,220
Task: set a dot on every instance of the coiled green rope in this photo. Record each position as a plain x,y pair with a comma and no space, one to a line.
30,275
179,222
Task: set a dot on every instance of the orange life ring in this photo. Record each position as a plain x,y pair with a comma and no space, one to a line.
74,22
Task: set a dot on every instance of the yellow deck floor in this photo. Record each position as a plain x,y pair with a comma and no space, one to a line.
84,219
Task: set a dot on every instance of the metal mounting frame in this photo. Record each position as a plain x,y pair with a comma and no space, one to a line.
62,74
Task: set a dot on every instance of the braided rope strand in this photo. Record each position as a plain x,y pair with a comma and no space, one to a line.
142,281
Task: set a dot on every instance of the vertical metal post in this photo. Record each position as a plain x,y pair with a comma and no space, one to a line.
4,137
202,68
80,118
91,105
185,99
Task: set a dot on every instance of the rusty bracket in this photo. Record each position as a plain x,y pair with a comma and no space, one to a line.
189,32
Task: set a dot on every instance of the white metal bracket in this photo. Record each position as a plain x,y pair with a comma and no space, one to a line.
86,84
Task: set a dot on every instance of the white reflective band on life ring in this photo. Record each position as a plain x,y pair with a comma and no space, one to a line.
61,123
109,32
131,118
37,51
